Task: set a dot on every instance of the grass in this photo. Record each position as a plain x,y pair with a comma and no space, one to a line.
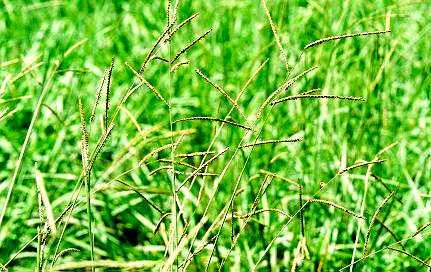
229,135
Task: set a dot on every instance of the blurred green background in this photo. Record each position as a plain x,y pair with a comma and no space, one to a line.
392,71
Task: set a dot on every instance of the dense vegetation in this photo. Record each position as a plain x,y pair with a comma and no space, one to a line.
239,145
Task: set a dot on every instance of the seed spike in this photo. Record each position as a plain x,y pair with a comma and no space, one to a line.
98,96
332,38
202,166
282,88
277,37
85,137
373,219
194,154
220,89
312,91
359,165
141,195
153,49
316,96
332,204
148,84
410,255
213,119
290,140
179,64
421,229
108,90
193,43
181,25
268,173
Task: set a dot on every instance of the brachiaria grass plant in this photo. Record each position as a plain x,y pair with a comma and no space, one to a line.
195,153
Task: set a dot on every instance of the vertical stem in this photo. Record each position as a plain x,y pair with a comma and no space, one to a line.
361,222
90,231
301,212
174,222
39,237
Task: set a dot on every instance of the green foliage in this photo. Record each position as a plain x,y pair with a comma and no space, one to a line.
346,164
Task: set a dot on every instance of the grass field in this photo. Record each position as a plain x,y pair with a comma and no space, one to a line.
240,145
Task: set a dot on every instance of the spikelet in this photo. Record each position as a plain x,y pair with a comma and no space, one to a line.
391,232
169,168
141,195
64,252
178,65
379,179
153,48
84,139
362,164
166,167
179,163
212,119
410,255
159,58
316,96
40,234
245,216
148,84
282,88
312,91
201,167
181,25
289,140
277,37
87,172
168,11
387,148
373,219
292,81
332,38
99,146
220,89
265,172
194,154
98,96
332,204
3,112
193,43
421,229
155,152
253,76
107,94
74,46
262,188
